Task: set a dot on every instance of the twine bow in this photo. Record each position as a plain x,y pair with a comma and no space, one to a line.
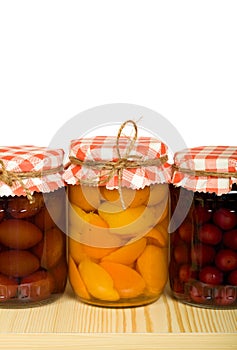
9,177
110,168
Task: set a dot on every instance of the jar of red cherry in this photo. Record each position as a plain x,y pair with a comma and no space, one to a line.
33,267
203,241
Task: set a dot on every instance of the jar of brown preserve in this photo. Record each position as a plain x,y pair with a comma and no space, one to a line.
33,267
118,218
203,252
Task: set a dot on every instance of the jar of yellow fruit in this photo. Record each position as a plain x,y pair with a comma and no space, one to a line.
118,218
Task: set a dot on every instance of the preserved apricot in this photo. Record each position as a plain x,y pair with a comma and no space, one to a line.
128,253
158,193
98,281
131,198
76,281
18,263
154,236
152,265
127,281
131,221
86,197
19,234
76,250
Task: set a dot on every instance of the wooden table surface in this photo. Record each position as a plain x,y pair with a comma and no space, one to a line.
70,324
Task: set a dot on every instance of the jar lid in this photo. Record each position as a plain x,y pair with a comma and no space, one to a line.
112,162
206,169
28,169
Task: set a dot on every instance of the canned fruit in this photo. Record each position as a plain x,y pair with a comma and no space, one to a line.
210,234
98,281
58,276
152,265
156,237
225,218
76,250
128,253
19,234
86,197
158,193
18,263
202,254
127,281
230,239
52,248
203,257
186,231
76,281
211,275
107,243
131,221
22,208
232,278
32,249
131,198
226,260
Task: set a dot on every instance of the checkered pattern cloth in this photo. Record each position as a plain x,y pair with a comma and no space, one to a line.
22,159
221,160
104,148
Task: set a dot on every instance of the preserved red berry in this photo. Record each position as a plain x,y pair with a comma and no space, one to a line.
211,275
226,219
230,239
226,260
210,234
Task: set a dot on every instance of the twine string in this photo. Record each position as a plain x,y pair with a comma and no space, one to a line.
204,172
9,177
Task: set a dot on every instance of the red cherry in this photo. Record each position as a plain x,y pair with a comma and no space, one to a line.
201,214
202,254
177,286
181,254
210,234
225,218
186,231
226,260
230,239
186,273
232,278
211,275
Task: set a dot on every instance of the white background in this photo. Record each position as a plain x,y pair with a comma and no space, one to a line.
59,58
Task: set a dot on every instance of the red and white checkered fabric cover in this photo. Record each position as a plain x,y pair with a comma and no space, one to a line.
30,158
104,148
219,159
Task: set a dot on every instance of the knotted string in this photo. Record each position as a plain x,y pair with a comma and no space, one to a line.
205,172
9,177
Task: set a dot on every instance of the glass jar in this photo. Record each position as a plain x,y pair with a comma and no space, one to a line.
203,241
33,266
118,240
